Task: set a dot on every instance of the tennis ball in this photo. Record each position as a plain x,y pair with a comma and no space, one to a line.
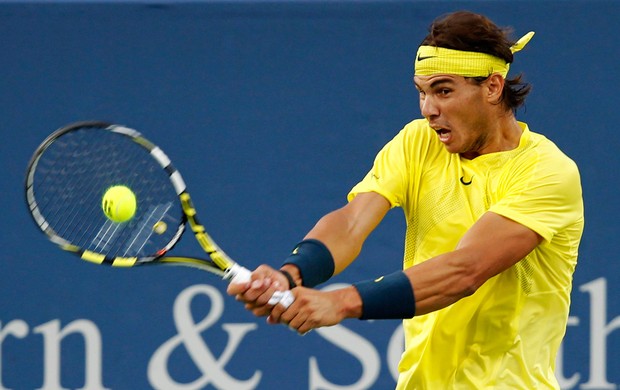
119,203
160,227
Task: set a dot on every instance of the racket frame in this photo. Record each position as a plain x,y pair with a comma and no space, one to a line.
218,263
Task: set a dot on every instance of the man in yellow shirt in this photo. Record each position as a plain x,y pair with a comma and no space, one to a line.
494,219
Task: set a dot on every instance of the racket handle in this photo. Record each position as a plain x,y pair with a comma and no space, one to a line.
239,274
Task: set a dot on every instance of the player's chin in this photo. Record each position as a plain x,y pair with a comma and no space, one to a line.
452,148
455,147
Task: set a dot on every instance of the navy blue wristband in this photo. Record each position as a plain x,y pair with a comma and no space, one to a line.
314,261
388,297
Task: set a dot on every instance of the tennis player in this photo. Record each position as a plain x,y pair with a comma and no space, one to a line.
494,217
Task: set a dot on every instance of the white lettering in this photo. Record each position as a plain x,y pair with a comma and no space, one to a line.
359,347
599,331
212,369
53,335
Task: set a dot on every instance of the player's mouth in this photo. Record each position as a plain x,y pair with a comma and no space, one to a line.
444,135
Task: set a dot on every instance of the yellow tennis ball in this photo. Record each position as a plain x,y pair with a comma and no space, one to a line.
119,203
160,227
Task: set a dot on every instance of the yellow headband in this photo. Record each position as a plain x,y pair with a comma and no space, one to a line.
432,60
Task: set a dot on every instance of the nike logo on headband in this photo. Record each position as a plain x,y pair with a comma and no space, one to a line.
420,58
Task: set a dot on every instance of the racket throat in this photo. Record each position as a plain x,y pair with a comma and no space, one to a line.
205,241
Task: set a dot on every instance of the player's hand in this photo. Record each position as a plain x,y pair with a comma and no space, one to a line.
256,293
313,308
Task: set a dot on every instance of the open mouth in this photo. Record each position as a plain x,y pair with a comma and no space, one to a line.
444,135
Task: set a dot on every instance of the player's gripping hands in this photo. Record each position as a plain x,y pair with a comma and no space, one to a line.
256,293
311,308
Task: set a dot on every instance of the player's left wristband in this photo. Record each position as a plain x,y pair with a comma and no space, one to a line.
314,261
386,298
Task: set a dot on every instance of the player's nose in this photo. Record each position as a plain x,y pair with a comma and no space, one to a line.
428,108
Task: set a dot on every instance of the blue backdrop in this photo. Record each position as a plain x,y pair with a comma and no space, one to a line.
273,111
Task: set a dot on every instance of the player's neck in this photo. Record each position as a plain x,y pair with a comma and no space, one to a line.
504,134
509,133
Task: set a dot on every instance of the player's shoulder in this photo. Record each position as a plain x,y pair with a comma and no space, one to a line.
546,152
419,139
418,129
417,125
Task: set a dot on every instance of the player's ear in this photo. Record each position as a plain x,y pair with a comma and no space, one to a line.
494,87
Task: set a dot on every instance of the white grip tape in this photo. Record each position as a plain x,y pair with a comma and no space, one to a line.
239,274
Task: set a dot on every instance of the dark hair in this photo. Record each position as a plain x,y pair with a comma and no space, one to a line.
467,31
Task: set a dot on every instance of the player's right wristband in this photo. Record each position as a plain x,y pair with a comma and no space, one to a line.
314,261
388,297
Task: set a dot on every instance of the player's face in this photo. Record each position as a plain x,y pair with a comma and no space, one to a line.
458,110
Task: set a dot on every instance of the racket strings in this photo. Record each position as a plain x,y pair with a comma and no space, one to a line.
58,194
74,172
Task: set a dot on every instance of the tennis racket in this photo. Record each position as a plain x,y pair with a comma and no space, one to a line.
72,170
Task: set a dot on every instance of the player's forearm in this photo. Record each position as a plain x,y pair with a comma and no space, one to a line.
337,238
430,286
327,249
443,280
491,246
340,237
